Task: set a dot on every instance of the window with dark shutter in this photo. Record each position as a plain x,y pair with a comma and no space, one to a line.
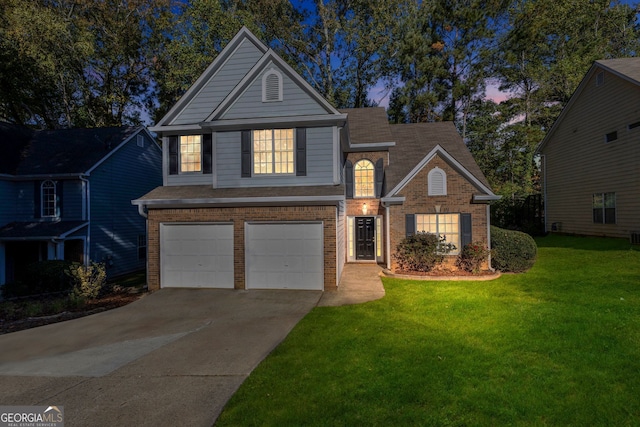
207,153
348,179
465,229
301,152
245,142
379,176
173,155
410,224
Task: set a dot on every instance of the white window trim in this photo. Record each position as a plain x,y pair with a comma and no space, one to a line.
431,190
373,180
273,151
458,243
265,76
55,199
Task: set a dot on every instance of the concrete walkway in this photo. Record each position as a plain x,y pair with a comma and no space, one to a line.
359,283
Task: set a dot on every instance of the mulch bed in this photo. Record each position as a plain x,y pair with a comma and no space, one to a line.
98,305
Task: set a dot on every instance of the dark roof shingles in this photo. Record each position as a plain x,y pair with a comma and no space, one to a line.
63,151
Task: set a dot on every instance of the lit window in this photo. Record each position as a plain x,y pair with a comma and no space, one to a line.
443,225
604,208
363,178
48,198
191,153
273,151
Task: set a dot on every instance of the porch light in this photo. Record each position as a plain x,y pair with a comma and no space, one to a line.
364,209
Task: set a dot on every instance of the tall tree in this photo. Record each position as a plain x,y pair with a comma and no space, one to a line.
76,63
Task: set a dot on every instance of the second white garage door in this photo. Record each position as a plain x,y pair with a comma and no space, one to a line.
284,256
196,255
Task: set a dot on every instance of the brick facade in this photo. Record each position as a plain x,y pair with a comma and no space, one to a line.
417,201
238,216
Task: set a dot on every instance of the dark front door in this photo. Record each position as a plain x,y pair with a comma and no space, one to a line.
364,238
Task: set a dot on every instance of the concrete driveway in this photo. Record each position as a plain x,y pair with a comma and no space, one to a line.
171,358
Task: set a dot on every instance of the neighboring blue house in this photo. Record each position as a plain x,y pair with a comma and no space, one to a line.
66,194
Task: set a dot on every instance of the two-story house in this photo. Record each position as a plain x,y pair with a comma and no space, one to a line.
66,194
591,157
267,185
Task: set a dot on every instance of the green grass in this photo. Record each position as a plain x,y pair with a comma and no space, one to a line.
558,345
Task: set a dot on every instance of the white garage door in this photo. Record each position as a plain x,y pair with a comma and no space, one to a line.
196,255
284,256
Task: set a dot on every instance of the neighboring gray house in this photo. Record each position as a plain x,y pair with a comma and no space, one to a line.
591,155
66,194
267,185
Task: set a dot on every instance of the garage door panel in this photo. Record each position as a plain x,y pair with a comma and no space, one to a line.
284,256
197,255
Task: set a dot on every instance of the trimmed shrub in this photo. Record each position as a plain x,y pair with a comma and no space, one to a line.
421,252
43,277
472,256
512,251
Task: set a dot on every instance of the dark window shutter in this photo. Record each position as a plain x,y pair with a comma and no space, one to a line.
173,155
410,224
379,175
59,194
465,229
207,153
301,152
348,179
37,199
246,153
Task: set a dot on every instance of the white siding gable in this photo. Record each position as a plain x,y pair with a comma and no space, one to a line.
220,84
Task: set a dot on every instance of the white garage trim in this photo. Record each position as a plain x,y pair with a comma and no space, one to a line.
284,255
196,255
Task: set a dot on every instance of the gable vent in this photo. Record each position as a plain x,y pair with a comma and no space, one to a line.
272,86
437,182
140,141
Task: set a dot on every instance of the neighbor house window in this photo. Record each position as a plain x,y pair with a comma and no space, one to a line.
604,208
363,179
437,182
444,225
191,153
273,151
48,198
611,136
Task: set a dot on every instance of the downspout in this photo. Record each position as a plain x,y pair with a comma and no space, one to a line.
87,193
489,236
387,236
544,189
142,212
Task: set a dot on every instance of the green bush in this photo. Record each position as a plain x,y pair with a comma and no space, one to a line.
40,278
512,251
421,252
88,281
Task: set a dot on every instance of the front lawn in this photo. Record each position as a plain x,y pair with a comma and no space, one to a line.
558,345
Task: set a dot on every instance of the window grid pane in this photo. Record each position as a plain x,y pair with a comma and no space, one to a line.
273,151
48,198
363,177
444,225
190,153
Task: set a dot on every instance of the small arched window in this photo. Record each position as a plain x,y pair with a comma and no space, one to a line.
272,86
48,198
363,179
437,182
